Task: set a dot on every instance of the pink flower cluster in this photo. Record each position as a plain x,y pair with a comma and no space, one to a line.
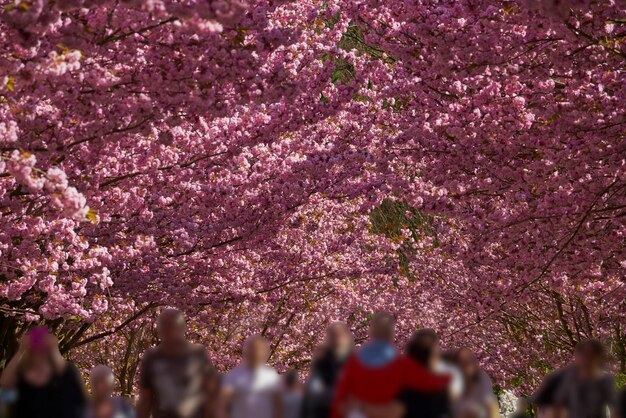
232,158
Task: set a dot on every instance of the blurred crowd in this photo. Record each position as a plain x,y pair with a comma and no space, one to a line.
378,380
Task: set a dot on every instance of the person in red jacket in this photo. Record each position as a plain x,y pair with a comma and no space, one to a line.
377,372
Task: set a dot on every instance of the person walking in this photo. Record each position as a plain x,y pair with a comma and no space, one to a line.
291,394
544,398
478,397
252,389
45,384
103,403
376,374
587,390
177,378
325,368
423,348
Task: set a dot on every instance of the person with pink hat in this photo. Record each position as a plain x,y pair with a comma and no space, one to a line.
45,384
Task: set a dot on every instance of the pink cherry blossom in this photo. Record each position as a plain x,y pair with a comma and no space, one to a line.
271,166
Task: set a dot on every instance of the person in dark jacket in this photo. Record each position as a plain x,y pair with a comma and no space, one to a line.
621,408
45,384
588,390
544,399
325,369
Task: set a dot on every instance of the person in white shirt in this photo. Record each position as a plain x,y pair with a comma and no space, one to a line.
478,398
252,389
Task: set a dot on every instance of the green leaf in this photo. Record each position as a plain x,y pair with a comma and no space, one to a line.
336,76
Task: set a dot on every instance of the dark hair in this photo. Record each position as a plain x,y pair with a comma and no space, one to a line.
591,345
450,356
291,378
422,345
385,316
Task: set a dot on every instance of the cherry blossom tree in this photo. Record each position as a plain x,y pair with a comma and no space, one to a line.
269,166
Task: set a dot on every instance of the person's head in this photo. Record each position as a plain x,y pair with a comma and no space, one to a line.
102,382
291,379
589,355
423,347
382,327
339,340
171,326
36,345
467,363
449,356
256,351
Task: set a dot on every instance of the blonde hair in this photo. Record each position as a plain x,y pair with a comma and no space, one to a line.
99,372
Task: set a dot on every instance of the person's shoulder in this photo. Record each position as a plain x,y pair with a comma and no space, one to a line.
555,382
198,350
450,368
270,375
607,378
485,381
196,347
150,353
269,371
70,366
353,364
404,361
230,376
485,378
122,403
407,367
71,375
323,358
349,361
70,369
564,378
238,370
563,372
